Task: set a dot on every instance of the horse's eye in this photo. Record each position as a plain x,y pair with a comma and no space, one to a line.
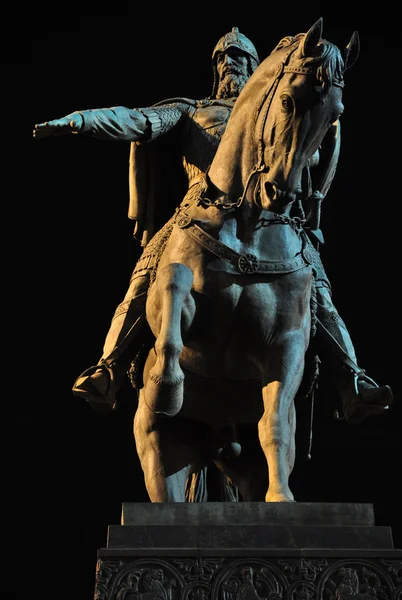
287,103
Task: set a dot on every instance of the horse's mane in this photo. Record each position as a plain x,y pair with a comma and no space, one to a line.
326,63
328,56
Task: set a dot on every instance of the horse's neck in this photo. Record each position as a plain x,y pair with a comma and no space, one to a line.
234,160
260,232
238,151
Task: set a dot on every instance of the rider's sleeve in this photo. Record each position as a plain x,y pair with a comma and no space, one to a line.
127,124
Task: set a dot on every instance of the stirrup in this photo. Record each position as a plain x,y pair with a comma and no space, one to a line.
365,402
86,389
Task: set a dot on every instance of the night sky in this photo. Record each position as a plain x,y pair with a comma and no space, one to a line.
74,466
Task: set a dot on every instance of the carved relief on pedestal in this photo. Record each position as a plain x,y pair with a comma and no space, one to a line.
143,579
357,580
249,579
205,578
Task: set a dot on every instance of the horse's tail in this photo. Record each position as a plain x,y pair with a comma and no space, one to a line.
228,492
196,487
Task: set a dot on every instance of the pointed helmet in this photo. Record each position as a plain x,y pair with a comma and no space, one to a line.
237,40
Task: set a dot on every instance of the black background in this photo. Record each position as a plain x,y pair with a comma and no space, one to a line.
75,467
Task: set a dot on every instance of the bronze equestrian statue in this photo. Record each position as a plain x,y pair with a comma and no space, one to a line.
164,287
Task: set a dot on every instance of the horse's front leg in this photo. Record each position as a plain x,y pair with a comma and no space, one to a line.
168,452
277,426
170,311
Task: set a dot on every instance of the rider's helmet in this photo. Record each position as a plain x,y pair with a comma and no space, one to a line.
237,40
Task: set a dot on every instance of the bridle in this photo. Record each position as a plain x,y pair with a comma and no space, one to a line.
265,104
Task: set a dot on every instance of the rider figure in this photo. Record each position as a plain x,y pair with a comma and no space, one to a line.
194,129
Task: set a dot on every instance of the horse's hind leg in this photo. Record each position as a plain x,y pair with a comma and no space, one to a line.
248,470
277,426
170,453
173,308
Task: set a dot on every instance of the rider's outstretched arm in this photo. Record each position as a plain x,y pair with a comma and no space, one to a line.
116,123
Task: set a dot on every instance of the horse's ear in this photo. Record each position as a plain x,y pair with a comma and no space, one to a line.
311,38
351,52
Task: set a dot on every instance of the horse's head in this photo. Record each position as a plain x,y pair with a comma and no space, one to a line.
282,116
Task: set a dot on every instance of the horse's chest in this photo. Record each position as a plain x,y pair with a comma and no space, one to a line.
237,323
261,305
228,302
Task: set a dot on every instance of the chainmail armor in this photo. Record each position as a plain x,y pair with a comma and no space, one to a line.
169,114
150,258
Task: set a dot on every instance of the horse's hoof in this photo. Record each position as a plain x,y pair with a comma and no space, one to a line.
164,398
279,497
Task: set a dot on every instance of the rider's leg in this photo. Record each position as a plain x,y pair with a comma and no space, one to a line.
361,396
100,383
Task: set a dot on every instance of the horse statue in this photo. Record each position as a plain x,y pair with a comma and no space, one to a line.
230,307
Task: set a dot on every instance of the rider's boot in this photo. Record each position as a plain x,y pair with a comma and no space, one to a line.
100,383
361,396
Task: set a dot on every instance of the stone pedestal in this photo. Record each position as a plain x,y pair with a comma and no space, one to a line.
248,551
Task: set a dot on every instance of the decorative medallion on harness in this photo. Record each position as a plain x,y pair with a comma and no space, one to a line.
307,255
248,263
183,221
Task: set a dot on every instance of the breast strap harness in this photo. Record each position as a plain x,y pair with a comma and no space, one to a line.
248,263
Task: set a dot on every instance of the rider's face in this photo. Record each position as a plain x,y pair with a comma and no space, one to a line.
232,62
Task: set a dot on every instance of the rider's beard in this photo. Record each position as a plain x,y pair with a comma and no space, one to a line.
231,85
